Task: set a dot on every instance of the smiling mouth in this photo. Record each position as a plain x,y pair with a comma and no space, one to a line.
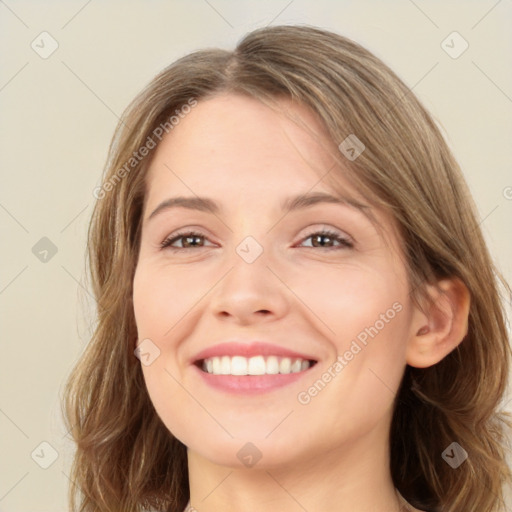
252,366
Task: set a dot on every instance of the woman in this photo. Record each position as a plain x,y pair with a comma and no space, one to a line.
297,309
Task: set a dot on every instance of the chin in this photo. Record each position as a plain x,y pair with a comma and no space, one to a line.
246,454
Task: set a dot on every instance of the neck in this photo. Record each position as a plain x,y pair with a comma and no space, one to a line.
353,478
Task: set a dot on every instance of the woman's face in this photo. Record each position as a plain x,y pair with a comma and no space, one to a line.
259,289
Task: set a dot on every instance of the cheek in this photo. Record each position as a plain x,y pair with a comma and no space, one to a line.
356,392
163,296
352,299
365,315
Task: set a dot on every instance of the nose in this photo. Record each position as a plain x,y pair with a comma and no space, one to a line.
250,293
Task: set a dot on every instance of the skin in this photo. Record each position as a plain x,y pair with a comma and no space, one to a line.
332,453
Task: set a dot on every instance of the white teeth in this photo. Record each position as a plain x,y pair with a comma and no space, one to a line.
238,365
256,365
273,365
225,365
285,366
296,365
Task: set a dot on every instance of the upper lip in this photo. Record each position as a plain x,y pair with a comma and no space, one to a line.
248,349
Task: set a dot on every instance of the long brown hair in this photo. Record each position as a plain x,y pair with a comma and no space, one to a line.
126,459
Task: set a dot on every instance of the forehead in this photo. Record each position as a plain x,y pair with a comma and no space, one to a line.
234,142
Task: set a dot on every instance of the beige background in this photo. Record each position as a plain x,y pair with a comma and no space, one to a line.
59,113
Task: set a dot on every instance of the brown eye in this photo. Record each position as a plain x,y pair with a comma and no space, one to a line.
188,240
328,240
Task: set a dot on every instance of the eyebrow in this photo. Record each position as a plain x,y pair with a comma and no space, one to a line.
205,204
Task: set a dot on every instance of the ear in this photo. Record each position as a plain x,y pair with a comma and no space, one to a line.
440,325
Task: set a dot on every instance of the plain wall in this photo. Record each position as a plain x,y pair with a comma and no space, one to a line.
58,115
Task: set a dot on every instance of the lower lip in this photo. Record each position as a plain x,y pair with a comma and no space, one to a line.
251,384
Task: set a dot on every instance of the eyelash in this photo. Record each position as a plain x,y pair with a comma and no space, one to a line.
345,243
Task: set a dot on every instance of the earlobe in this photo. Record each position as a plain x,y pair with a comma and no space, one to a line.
441,325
